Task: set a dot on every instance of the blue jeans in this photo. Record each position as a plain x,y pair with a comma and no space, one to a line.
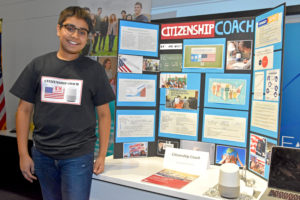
67,179
111,42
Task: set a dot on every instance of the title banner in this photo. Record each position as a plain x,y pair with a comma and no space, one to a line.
203,29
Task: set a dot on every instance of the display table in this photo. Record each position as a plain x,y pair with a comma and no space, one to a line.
122,180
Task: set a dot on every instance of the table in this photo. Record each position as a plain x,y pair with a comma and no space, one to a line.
122,180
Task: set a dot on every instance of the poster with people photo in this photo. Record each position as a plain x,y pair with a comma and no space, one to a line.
136,149
109,63
260,154
105,15
228,154
239,54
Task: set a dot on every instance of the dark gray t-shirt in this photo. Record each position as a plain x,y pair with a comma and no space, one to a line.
64,94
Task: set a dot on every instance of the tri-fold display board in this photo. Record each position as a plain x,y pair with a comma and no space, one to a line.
207,81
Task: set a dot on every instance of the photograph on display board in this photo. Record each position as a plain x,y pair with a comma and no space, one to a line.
181,99
105,15
227,91
151,65
162,144
173,81
270,145
137,149
229,154
239,55
257,165
258,145
170,62
130,64
110,66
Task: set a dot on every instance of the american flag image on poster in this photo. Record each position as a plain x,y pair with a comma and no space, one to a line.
123,67
2,98
203,54
130,64
253,143
56,92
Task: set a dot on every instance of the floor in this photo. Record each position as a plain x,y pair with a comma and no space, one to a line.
19,189
9,195
13,186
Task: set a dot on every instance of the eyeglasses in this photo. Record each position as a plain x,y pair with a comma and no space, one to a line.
71,28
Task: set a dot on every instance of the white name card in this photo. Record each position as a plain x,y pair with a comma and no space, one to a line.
187,161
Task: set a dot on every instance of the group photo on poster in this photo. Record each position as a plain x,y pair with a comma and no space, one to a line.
135,149
105,15
173,80
181,99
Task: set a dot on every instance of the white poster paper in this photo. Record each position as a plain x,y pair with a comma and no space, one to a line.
187,161
135,125
265,115
140,90
225,128
272,85
259,85
171,46
182,123
138,39
264,58
268,30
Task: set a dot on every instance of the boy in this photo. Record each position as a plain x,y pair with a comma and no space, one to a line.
64,88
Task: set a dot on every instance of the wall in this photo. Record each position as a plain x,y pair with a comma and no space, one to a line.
290,113
29,30
183,8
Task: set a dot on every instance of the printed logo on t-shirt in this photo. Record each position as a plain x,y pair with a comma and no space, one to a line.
58,90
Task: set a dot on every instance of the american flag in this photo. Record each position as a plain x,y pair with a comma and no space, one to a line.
203,57
56,92
2,98
123,67
208,57
253,144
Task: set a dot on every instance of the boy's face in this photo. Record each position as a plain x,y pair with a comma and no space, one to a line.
71,43
137,9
